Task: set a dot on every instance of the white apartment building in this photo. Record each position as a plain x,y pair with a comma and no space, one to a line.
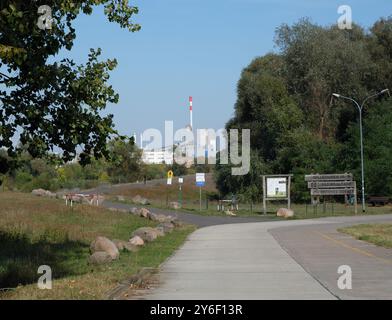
158,156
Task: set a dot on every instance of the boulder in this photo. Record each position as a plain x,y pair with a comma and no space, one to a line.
140,200
100,257
136,241
43,193
160,217
177,223
160,231
175,205
125,245
50,194
135,211
104,244
120,198
119,244
167,227
148,234
144,213
38,192
130,247
285,213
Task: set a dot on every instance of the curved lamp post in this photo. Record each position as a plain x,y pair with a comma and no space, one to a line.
360,109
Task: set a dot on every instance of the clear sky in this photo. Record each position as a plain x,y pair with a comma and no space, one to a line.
198,48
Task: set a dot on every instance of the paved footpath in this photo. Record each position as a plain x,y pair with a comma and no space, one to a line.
247,261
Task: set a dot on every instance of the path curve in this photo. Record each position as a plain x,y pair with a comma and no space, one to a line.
245,261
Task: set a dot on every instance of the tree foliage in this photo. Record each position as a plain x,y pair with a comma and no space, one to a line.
47,102
285,98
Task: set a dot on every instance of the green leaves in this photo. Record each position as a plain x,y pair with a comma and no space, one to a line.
285,99
55,104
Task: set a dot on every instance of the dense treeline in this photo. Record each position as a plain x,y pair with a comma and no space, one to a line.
124,164
285,98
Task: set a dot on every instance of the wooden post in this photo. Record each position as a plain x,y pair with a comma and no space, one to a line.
288,194
355,198
264,197
200,199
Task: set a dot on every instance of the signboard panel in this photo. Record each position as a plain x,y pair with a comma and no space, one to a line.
330,184
316,177
200,179
331,192
276,187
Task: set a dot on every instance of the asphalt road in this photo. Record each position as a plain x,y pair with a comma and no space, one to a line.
195,219
320,249
275,260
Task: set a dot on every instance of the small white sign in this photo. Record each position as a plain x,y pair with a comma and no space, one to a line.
200,179
180,180
277,187
169,181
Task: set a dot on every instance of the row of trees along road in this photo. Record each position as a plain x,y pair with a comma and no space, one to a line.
285,99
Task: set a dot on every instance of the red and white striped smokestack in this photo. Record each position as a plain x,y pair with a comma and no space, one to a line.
191,111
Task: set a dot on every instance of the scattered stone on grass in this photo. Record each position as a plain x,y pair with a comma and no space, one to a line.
104,244
140,200
136,241
100,257
285,213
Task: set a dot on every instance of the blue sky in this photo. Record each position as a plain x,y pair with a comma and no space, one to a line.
198,48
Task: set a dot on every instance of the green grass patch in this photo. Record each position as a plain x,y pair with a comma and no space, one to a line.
36,231
378,234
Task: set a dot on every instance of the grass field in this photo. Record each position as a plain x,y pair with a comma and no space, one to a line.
159,194
36,231
302,211
378,234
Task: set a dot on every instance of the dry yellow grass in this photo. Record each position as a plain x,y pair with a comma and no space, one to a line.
160,191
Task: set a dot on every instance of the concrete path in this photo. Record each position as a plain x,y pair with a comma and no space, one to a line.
244,261
240,261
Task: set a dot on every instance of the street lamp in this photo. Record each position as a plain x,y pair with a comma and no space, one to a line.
360,109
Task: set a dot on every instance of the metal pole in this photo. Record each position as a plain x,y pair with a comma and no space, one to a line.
200,199
362,161
180,196
289,195
355,198
360,108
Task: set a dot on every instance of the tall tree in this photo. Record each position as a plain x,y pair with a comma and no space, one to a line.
125,164
264,105
320,61
48,103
